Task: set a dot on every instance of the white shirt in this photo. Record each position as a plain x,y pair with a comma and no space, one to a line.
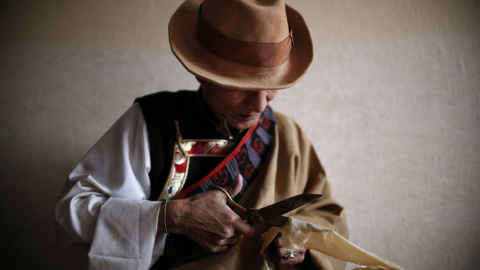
104,201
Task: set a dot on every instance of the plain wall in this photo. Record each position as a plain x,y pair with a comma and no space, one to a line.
391,104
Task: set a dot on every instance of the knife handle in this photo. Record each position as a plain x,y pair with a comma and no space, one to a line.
230,201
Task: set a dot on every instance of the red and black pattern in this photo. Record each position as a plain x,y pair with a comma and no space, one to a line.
220,178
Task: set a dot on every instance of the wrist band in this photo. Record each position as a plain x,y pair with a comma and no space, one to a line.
165,217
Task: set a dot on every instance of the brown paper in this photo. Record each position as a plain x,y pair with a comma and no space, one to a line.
297,234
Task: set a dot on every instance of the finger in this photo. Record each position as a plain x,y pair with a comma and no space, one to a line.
297,252
236,186
280,252
232,240
214,248
278,240
280,256
213,244
299,256
242,227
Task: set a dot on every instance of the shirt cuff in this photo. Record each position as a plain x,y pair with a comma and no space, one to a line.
126,235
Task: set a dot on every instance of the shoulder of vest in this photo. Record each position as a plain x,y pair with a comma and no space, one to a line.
166,98
165,106
159,111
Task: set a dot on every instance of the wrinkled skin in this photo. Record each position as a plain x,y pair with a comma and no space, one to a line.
206,219
242,109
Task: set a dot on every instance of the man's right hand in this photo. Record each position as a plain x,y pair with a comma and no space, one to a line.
206,219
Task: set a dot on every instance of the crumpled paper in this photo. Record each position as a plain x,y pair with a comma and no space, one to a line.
297,234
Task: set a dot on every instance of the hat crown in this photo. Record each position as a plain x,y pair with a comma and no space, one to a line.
238,25
262,21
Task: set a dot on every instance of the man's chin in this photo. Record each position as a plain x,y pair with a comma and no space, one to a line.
241,125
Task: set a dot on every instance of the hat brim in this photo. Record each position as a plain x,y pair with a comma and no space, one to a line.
207,66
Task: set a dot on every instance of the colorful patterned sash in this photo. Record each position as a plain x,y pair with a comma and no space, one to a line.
245,158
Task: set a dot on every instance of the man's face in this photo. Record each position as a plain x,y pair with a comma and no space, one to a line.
242,109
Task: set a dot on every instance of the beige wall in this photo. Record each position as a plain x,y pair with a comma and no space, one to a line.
391,104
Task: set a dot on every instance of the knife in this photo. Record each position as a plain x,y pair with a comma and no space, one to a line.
270,215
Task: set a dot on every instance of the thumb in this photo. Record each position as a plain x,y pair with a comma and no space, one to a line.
236,186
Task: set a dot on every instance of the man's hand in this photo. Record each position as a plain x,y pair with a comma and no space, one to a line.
279,254
206,219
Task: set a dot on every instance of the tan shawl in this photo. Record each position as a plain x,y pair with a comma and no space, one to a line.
291,168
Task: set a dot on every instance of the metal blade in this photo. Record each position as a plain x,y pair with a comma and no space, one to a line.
278,221
271,214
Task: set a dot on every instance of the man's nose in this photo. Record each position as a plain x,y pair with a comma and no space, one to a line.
258,100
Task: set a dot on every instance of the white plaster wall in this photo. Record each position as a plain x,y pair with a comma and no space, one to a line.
391,104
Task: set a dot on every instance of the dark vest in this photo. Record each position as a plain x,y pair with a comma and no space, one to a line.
160,110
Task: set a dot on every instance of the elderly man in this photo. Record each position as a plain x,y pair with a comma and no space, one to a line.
139,198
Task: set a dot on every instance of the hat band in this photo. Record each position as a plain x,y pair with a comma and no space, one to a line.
243,52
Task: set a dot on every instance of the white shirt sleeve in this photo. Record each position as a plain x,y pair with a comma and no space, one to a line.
103,207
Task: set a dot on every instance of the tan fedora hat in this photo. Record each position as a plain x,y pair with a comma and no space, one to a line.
242,44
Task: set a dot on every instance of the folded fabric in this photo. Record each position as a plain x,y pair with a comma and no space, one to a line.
297,234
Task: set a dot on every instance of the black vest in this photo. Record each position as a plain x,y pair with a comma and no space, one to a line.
160,110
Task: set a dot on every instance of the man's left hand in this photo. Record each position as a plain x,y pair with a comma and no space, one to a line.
279,254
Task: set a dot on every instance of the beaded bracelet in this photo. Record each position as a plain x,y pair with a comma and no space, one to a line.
165,217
